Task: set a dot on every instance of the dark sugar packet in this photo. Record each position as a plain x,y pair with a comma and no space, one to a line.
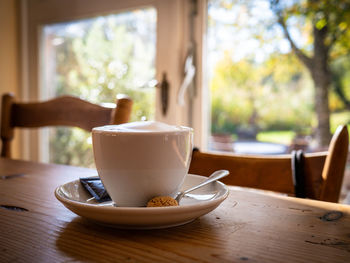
96,188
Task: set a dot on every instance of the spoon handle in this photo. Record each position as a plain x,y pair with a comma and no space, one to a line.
215,176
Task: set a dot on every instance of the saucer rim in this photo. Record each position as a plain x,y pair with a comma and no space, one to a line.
203,203
143,217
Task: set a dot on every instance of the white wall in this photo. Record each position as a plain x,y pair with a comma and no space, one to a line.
9,69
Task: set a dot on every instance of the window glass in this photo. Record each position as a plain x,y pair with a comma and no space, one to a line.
262,95
96,59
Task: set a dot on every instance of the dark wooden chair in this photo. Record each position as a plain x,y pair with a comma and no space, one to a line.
61,111
323,171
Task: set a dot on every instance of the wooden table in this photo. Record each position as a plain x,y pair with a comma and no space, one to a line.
246,227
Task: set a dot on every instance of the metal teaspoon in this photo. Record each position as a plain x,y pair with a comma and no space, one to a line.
213,177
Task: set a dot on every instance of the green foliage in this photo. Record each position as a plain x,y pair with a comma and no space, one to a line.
339,118
71,146
340,92
109,56
331,19
267,87
274,95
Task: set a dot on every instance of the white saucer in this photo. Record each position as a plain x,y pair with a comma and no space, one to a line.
198,203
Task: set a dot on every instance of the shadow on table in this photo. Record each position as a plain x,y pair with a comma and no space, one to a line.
87,241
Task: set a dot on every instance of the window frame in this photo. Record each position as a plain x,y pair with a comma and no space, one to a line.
171,46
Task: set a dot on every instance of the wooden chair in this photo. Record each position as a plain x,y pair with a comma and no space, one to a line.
61,111
323,171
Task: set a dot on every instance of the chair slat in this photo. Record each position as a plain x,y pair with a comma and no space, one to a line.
335,165
65,111
323,171
262,172
62,111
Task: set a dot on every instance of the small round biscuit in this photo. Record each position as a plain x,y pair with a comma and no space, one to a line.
162,201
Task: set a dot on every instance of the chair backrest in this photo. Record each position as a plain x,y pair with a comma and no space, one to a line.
323,171
61,111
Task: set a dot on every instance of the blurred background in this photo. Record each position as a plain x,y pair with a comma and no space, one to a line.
273,76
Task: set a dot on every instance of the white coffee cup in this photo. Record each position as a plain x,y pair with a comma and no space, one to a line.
140,160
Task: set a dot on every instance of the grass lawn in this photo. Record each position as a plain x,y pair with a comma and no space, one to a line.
283,137
286,137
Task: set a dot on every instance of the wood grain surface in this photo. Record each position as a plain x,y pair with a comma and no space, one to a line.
249,226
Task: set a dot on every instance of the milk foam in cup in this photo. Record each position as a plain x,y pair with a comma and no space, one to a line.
137,161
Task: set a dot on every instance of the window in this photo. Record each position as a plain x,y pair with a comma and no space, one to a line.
263,95
122,30
249,86
96,59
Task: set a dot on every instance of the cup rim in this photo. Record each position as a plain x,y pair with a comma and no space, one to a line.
101,129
